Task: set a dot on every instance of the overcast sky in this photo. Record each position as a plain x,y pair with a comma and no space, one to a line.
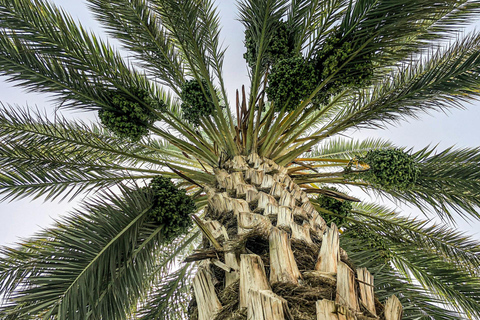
24,217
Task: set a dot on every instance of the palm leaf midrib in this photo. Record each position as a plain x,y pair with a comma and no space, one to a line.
98,255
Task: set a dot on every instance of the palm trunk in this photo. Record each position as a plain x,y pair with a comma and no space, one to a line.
274,256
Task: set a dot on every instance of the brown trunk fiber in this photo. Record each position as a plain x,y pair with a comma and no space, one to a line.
278,259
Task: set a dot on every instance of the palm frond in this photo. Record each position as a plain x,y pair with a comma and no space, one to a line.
260,19
168,295
434,258
399,28
194,27
138,27
184,21
451,245
44,50
443,80
342,148
94,263
25,67
51,53
64,182
305,125
444,262
460,14
443,279
313,21
63,158
210,20
447,184
417,302
170,298
449,180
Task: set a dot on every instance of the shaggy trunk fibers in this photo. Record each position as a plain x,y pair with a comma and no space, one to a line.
277,258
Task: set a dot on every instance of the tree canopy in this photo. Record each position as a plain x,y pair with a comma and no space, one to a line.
318,70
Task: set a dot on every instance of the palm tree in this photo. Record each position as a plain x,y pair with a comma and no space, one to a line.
196,207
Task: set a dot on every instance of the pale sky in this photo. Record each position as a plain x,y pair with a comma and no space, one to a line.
22,218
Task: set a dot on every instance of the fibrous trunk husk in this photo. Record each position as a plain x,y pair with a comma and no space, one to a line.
278,259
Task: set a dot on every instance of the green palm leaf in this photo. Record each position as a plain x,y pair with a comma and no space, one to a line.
170,298
51,53
259,19
434,83
313,21
194,26
449,180
341,148
443,80
64,158
453,246
398,28
45,50
432,258
448,183
440,261
139,29
169,294
418,303
108,247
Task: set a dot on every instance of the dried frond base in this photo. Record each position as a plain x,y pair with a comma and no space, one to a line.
255,241
229,298
236,315
228,220
313,279
253,205
302,299
192,310
305,254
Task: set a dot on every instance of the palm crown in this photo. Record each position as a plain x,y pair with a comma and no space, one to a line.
317,70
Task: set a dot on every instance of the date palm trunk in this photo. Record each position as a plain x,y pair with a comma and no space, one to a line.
269,255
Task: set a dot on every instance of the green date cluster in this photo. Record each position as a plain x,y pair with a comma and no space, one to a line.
391,169
292,78
130,117
291,81
333,61
196,103
341,208
172,208
370,240
280,46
